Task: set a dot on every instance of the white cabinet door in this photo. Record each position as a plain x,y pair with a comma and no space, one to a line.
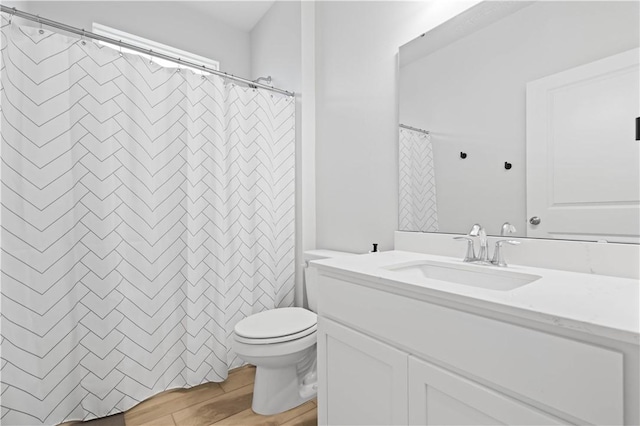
361,381
583,178
440,397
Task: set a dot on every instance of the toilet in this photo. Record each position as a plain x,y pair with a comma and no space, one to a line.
281,343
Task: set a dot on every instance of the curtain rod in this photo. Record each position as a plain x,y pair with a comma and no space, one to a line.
54,24
415,129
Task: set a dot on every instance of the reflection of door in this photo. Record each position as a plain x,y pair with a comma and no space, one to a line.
582,157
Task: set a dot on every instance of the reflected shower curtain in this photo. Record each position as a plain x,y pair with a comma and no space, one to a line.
417,207
144,212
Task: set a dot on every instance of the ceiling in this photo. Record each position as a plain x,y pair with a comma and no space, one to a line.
240,14
471,20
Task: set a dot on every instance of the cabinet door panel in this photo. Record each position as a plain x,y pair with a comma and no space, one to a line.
443,409
361,381
440,397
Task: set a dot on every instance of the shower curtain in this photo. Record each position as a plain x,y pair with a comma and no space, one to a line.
145,211
418,208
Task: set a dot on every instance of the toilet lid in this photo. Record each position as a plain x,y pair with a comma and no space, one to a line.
282,339
276,323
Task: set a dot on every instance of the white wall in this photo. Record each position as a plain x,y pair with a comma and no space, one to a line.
167,22
276,50
276,45
471,96
357,111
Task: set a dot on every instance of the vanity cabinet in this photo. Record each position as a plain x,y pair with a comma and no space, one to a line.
366,380
389,358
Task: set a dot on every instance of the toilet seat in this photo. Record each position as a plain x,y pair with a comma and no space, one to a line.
279,339
276,326
275,352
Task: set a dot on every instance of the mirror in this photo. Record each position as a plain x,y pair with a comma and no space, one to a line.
523,112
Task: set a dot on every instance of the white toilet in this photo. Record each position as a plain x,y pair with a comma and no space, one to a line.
281,343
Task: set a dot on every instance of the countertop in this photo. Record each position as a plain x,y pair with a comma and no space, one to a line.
594,304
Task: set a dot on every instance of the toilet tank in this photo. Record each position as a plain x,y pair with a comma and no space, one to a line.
311,273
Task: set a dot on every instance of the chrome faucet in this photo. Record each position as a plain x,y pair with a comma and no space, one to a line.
471,252
482,258
498,259
476,231
507,228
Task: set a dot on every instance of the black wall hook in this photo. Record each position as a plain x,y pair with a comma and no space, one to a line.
507,165
463,155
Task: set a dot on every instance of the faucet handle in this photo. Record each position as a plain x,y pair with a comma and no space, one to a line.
507,228
471,253
476,230
498,258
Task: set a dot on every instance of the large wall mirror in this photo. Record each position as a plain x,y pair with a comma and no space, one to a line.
524,112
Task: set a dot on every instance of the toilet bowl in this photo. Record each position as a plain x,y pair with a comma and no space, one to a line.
281,343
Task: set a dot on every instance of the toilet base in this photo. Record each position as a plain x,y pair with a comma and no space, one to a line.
278,389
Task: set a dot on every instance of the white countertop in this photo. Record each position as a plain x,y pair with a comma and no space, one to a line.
594,304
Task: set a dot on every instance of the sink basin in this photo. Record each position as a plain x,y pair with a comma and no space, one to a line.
471,275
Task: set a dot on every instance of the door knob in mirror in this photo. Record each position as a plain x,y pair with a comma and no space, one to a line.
535,220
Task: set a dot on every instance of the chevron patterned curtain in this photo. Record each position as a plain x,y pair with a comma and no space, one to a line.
417,209
144,212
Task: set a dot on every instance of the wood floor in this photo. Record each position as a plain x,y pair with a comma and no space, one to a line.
226,403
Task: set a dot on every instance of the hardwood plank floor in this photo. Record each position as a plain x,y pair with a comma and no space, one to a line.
248,417
166,403
215,409
226,403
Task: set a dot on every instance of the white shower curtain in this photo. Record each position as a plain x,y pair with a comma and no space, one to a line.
417,207
144,212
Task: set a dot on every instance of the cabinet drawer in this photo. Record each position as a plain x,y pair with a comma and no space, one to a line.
579,379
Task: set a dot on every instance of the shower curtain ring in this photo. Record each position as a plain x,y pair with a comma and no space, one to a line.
13,13
82,38
41,31
150,56
120,46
